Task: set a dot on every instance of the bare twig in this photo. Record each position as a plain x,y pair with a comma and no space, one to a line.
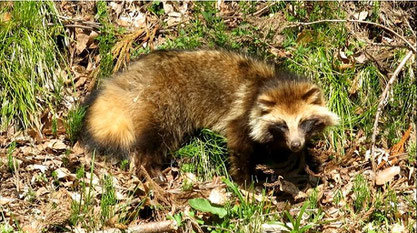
381,105
390,45
152,227
79,26
263,10
92,24
410,46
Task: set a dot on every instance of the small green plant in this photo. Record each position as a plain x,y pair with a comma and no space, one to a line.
187,185
296,222
124,164
6,228
157,8
361,192
74,122
412,153
338,196
54,127
82,210
108,198
313,199
30,195
54,175
204,205
41,178
178,217
107,39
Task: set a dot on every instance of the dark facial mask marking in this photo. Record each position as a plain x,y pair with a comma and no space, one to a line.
312,125
278,128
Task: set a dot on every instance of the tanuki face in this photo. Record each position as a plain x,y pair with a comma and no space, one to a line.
289,115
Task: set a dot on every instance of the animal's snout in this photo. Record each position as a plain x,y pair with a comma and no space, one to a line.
295,145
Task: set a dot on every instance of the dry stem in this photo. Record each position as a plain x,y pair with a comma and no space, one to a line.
381,105
152,227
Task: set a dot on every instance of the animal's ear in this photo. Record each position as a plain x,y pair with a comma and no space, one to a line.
329,118
266,101
314,96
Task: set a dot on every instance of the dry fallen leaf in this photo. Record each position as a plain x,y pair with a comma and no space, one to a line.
305,37
342,55
387,175
57,144
5,200
218,196
361,16
30,229
40,167
82,40
397,228
58,211
64,173
5,17
360,58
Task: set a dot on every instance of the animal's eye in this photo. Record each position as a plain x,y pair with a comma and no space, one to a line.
265,111
279,127
311,124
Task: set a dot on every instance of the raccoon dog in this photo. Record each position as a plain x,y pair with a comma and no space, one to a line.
164,96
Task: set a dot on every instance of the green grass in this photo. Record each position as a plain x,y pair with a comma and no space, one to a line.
204,155
74,121
83,211
6,228
107,39
31,63
108,198
353,93
361,192
248,214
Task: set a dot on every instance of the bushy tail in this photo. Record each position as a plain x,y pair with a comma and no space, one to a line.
108,125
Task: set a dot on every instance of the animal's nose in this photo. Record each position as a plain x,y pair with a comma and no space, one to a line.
295,145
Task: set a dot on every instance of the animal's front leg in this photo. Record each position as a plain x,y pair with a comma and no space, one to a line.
240,149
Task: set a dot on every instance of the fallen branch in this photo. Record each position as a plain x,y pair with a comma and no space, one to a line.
90,24
152,227
381,105
263,10
410,46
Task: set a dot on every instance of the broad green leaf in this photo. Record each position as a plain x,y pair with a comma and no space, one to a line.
204,205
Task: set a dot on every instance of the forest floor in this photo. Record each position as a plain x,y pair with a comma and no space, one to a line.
48,183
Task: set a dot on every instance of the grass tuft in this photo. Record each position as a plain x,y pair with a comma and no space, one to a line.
74,122
108,198
204,155
107,39
30,68
361,192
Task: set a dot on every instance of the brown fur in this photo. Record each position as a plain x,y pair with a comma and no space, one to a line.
167,95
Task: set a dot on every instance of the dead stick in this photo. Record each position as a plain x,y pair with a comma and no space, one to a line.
381,105
152,227
355,21
263,10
